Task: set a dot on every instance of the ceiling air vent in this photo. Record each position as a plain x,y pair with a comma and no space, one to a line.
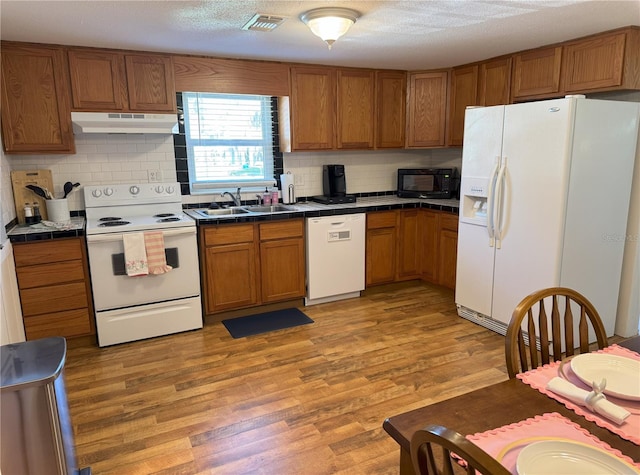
261,22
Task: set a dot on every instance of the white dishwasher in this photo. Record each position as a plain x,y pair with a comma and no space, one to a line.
335,257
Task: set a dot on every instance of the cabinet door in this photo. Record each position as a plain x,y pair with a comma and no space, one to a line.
355,109
282,269
381,256
312,108
408,238
36,111
231,276
391,96
593,64
494,82
428,245
464,92
447,258
150,83
537,72
427,109
447,249
97,80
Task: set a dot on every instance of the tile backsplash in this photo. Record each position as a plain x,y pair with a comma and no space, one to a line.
127,158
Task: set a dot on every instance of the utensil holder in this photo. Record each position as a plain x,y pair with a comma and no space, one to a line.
58,210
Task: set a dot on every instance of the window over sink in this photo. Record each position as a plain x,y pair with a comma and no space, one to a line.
228,141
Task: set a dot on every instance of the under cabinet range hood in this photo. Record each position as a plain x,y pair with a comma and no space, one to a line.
123,123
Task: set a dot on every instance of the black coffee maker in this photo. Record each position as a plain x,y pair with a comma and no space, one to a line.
334,186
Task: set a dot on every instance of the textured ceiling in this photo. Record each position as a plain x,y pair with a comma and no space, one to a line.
389,34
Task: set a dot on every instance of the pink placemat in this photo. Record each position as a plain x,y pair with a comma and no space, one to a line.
505,443
629,429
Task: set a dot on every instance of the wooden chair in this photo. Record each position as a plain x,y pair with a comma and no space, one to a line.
425,462
561,315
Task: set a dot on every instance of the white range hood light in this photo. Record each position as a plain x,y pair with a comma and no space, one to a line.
123,123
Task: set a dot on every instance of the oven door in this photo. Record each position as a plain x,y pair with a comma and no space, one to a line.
113,289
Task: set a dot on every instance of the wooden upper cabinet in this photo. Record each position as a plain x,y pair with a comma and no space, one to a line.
594,64
313,108
355,109
36,111
427,109
150,83
494,82
464,92
536,73
114,81
391,93
97,80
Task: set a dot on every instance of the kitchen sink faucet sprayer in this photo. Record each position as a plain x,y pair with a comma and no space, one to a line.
237,199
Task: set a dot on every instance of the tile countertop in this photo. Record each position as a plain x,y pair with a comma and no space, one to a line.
310,209
40,232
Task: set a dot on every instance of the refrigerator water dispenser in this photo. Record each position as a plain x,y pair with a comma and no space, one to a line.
474,200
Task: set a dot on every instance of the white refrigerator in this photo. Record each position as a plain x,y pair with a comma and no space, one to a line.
544,200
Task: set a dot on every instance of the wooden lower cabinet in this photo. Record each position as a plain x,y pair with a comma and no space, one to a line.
448,250
428,245
245,265
282,265
408,238
381,247
55,292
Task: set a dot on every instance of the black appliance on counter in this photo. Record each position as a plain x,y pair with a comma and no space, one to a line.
334,186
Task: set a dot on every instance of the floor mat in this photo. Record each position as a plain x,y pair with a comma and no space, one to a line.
265,322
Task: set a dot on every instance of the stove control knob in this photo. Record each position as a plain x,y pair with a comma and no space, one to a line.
96,193
170,190
134,190
108,191
159,189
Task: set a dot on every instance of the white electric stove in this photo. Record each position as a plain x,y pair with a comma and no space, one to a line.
134,308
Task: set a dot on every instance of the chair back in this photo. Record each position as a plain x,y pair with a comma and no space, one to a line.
427,460
522,357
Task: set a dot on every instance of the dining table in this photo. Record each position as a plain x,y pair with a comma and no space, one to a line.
495,406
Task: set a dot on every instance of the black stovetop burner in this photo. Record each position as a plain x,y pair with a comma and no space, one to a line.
110,218
164,215
107,224
168,220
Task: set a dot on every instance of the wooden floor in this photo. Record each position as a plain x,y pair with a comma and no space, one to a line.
307,400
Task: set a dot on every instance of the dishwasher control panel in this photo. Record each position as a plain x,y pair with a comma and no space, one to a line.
333,236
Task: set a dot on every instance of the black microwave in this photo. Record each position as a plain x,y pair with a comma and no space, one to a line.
431,183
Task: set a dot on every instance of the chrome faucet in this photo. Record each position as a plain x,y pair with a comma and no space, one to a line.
237,199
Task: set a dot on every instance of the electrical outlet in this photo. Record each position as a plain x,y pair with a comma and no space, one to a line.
155,176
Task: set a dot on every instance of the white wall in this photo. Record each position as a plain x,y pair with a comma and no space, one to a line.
366,171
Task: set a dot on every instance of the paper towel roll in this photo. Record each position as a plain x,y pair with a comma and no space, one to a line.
288,188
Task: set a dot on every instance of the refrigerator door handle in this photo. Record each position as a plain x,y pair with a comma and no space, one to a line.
500,185
490,202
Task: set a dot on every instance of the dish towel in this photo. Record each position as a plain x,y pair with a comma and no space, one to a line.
154,244
593,400
135,255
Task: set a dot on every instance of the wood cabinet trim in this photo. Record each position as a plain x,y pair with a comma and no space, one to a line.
282,229
150,82
537,72
427,113
86,78
58,250
228,234
355,108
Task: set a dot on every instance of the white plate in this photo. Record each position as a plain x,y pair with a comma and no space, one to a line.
622,374
565,457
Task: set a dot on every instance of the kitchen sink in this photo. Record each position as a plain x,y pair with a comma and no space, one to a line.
267,209
222,211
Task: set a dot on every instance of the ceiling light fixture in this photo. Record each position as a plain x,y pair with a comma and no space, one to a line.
329,23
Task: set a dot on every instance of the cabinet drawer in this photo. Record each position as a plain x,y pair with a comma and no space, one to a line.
281,229
50,274
449,221
46,252
55,298
381,219
228,234
67,324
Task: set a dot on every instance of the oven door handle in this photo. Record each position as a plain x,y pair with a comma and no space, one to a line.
111,237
